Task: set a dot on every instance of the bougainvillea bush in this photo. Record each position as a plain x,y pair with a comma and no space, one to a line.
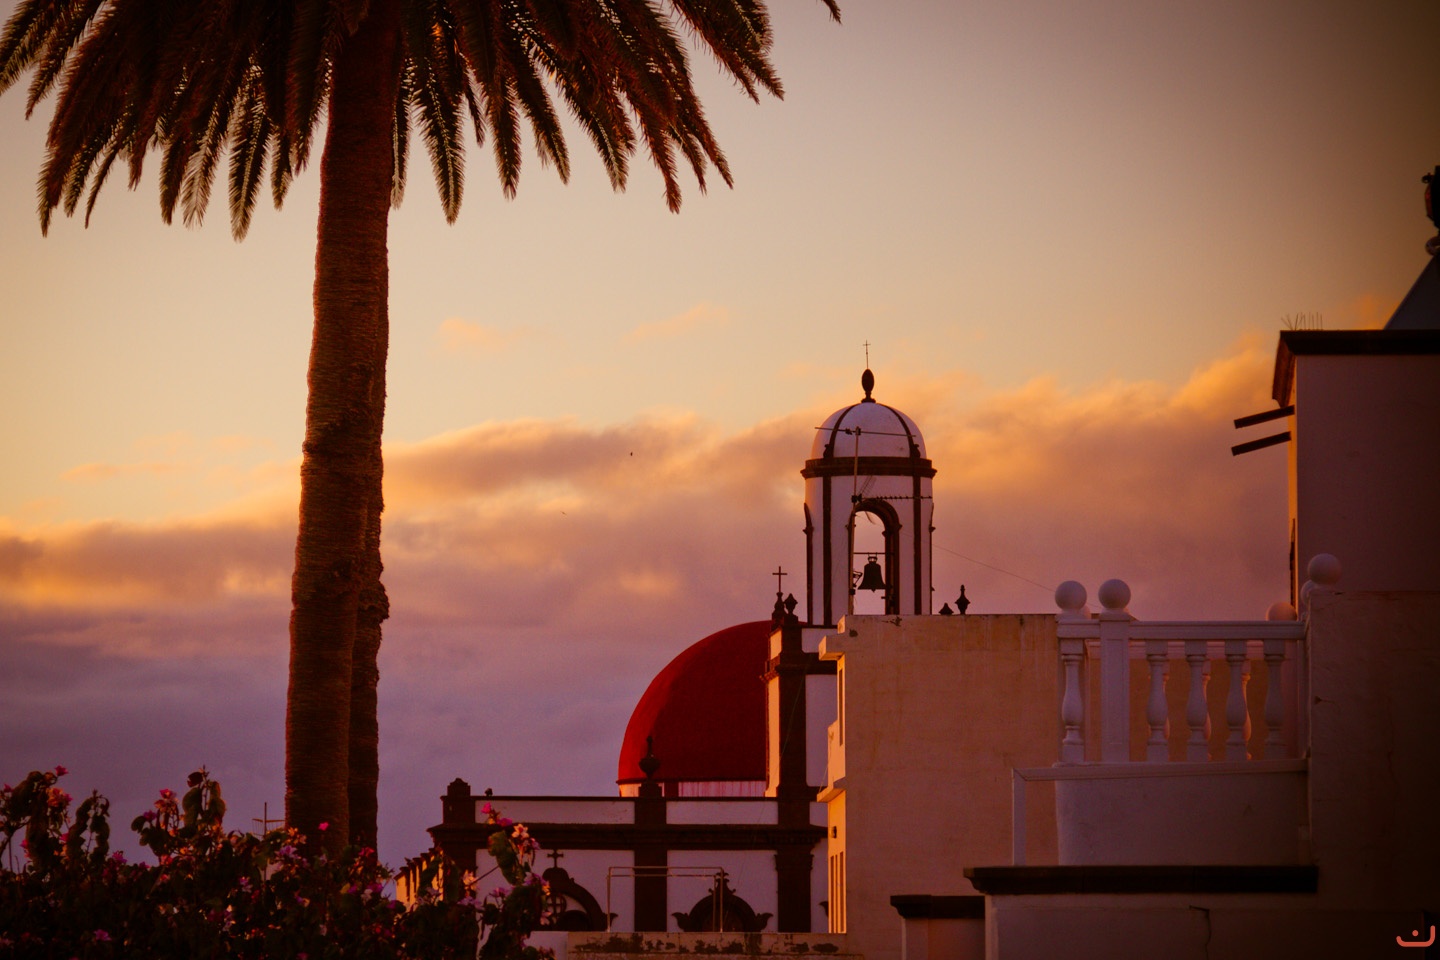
216,894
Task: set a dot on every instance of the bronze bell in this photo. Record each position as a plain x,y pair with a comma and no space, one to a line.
872,578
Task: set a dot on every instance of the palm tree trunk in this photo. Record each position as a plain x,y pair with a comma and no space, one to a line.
340,472
365,668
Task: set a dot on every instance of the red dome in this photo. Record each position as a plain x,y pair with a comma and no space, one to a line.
705,710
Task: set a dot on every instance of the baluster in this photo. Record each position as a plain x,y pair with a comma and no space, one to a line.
1235,712
1274,699
1157,711
1245,689
1072,707
1114,672
1197,711
1208,664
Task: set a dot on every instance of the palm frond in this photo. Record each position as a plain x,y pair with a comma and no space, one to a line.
401,136
251,78
438,120
250,138
49,59
534,101
737,34
97,181
480,38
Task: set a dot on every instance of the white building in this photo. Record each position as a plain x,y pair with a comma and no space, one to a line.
1036,785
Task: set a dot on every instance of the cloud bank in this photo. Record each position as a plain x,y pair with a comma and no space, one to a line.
542,571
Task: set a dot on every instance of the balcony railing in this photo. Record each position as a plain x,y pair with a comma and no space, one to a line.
1162,652
1139,703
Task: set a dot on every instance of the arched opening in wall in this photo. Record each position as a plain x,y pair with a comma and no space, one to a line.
874,532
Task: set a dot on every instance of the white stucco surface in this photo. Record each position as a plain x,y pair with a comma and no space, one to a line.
937,712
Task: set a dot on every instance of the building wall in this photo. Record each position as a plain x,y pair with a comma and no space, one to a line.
937,712
1365,465
1189,927
1375,747
819,714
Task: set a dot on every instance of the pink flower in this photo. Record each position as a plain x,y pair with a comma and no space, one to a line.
167,794
61,771
101,936
324,825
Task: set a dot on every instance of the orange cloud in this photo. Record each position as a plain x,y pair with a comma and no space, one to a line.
699,317
100,472
540,575
461,336
667,526
144,566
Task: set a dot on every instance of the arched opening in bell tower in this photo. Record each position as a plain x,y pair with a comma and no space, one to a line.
875,558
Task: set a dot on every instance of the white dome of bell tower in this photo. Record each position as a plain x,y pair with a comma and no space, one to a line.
867,458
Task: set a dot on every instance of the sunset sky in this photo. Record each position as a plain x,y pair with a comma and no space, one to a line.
1069,232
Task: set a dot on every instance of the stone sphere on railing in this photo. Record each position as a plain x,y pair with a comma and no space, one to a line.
1280,610
1070,596
1114,595
1324,569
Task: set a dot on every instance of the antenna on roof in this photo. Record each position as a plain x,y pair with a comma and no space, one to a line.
1303,321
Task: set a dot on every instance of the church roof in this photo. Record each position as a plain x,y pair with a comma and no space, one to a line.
883,431
705,711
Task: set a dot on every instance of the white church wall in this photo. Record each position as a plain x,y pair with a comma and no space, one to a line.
810,638
561,809
819,714
592,869
721,810
772,728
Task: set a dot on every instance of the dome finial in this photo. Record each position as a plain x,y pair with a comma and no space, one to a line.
867,379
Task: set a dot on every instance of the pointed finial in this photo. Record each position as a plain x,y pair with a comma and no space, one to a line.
867,383
962,602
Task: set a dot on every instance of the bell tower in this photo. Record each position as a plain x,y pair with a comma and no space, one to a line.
867,458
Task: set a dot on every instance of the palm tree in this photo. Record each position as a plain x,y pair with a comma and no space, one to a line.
197,79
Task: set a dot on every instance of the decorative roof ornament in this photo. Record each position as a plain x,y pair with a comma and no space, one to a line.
867,383
1432,246
650,764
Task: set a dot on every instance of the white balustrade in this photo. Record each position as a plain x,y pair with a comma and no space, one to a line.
1116,639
